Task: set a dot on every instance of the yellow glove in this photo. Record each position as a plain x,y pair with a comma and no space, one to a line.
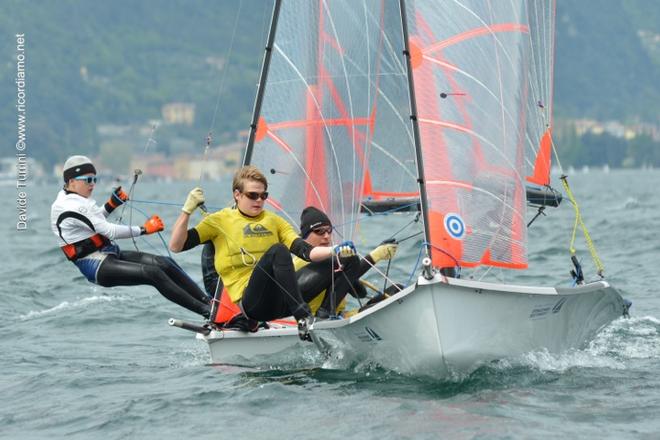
195,198
384,252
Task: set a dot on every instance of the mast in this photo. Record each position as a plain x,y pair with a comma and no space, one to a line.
262,82
413,118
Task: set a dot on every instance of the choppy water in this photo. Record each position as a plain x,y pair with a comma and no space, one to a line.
79,361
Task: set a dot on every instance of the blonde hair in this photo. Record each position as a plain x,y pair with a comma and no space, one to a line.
248,172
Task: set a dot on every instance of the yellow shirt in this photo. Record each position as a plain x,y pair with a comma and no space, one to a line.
240,241
315,303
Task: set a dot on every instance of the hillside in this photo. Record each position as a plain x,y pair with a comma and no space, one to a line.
608,62
104,63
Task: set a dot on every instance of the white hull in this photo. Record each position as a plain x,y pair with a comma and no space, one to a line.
443,326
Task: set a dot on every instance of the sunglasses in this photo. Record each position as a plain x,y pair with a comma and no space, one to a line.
88,179
256,195
323,230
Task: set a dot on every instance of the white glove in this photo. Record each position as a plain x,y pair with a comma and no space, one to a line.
384,252
193,201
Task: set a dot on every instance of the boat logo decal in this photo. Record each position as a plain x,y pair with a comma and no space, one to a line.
540,311
255,230
557,306
454,225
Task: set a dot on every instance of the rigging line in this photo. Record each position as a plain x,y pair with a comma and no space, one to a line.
414,220
587,237
136,173
220,92
539,120
439,249
419,257
144,239
488,27
160,236
498,70
221,86
410,236
393,158
150,140
323,119
482,138
374,214
351,113
387,273
302,168
131,191
158,202
373,266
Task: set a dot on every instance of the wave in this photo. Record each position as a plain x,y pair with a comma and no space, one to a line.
82,303
616,347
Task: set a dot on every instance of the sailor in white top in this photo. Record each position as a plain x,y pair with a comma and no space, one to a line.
87,239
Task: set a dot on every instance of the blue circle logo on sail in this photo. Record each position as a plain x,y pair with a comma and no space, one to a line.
455,226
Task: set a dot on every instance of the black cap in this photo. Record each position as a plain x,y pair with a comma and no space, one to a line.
311,218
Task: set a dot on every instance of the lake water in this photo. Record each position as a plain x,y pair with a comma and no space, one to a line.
79,361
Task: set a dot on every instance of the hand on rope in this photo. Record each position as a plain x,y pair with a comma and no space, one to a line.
152,225
194,200
117,198
345,249
385,251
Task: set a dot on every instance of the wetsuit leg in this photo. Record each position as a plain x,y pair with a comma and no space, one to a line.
212,282
272,291
135,268
171,268
314,278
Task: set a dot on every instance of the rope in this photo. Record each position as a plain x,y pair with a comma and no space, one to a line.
221,88
580,222
162,240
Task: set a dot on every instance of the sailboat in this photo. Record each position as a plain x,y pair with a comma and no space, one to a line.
444,108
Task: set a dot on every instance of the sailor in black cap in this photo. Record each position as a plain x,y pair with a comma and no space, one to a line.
321,284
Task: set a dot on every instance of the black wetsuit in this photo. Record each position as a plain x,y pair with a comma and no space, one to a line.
322,275
77,221
130,268
312,279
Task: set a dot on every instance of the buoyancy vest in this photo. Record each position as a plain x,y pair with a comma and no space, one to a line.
81,248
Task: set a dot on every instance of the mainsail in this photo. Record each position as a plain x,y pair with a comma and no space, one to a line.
469,63
335,125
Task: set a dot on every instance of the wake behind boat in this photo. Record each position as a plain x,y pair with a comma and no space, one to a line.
440,108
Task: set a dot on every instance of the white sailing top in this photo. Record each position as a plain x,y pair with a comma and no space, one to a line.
74,230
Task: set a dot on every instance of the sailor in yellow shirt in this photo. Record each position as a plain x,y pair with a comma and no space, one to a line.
323,287
253,251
